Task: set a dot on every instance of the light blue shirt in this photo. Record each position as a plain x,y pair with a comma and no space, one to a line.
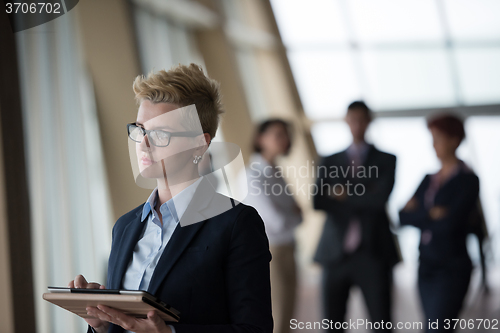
155,237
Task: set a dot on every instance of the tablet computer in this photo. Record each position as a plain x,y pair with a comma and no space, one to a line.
136,303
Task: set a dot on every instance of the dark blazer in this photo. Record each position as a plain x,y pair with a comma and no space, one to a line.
215,272
459,196
369,208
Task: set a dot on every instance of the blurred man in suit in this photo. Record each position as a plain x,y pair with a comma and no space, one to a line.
356,246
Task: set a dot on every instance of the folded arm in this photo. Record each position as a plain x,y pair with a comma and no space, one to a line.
325,185
455,214
375,196
414,213
377,190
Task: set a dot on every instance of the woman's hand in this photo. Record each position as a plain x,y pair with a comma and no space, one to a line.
296,209
152,324
411,205
341,196
437,212
80,282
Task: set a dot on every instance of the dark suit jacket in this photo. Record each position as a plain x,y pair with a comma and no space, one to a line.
459,196
215,272
369,208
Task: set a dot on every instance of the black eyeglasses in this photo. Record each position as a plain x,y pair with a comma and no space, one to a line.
158,138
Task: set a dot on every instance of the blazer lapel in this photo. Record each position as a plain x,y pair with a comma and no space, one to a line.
124,251
370,155
344,158
182,236
180,240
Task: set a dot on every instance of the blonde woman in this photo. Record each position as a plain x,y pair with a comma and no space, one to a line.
214,271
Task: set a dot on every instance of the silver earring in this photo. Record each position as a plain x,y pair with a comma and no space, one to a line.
196,159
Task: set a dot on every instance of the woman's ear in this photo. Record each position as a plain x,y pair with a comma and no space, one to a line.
203,146
208,138
456,142
258,141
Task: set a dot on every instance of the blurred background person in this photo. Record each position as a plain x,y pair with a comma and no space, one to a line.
441,208
356,246
269,194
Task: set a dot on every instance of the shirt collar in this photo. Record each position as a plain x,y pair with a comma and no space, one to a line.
150,203
461,167
176,206
360,149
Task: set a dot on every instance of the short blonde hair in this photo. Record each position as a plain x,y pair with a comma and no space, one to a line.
183,85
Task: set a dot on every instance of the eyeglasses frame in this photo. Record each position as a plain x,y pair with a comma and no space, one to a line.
146,132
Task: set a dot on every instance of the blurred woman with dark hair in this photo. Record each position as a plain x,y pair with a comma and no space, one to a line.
441,208
269,194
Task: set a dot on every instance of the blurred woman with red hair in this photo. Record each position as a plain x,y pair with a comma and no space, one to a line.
441,208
